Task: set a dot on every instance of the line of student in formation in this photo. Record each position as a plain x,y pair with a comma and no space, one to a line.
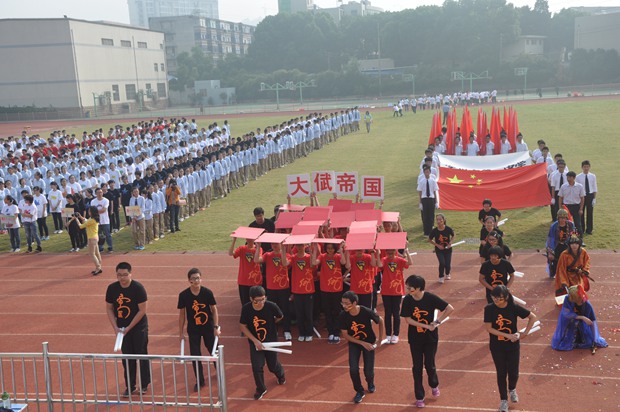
63,172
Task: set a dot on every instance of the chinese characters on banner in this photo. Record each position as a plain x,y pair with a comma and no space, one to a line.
298,185
372,187
340,183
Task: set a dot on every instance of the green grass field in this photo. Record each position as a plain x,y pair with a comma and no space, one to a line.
577,129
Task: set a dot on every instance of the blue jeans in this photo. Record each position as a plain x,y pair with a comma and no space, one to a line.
15,239
108,237
31,233
174,217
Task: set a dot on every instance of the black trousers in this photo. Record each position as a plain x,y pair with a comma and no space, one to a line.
507,366
75,236
574,210
258,359
57,220
303,311
115,219
244,294
587,219
376,287
355,352
136,342
281,298
208,337
330,301
445,261
364,299
428,214
391,305
423,355
42,224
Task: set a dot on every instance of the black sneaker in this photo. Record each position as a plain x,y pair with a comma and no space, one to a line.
196,387
358,397
371,388
126,393
259,394
282,380
144,389
38,249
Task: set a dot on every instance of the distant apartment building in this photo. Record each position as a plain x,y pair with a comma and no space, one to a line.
599,31
294,6
140,11
216,38
81,65
351,9
526,45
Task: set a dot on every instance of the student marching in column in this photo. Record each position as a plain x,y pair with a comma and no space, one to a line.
331,283
497,271
500,320
362,274
277,281
427,191
302,288
249,273
588,181
355,322
393,289
10,209
418,311
441,237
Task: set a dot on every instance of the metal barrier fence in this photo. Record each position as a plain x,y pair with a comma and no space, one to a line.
65,381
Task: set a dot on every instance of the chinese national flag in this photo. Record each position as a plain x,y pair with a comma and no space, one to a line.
508,189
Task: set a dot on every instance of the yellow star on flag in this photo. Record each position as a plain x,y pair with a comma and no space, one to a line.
479,182
454,179
471,186
473,176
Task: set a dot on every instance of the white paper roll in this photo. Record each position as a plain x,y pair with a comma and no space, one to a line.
460,242
519,274
559,300
277,344
119,341
287,351
214,349
519,301
316,332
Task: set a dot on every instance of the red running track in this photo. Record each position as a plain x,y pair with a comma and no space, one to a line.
53,298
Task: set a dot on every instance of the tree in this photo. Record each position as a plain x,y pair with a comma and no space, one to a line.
192,67
542,7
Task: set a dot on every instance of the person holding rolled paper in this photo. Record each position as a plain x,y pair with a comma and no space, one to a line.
489,226
495,239
573,267
500,321
197,305
355,322
126,308
497,271
418,312
441,237
577,326
258,323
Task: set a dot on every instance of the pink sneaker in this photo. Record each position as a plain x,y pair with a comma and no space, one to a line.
435,392
420,403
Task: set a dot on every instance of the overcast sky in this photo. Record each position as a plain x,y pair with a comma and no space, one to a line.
233,10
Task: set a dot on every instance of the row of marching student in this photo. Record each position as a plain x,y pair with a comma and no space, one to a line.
65,172
318,277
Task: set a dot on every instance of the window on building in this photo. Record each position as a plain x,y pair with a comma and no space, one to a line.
161,90
171,51
116,96
148,86
155,66
237,49
142,45
107,42
130,91
162,67
125,43
212,24
169,37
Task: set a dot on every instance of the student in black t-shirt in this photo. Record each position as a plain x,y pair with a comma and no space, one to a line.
262,223
489,226
441,237
418,311
495,239
487,210
500,320
496,271
258,323
356,326
126,308
198,306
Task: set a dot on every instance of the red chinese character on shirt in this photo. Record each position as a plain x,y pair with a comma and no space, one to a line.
346,182
372,187
299,186
323,182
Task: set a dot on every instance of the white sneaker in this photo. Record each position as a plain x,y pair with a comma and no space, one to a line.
308,338
442,280
388,339
287,336
16,250
330,338
513,396
448,277
301,338
72,250
60,231
394,339
503,406
77,249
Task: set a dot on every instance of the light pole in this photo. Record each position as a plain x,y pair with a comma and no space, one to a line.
522,71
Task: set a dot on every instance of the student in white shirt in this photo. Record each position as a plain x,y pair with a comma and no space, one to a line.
29,219
505,146
56,204
148,217
10,209
472,147
588,181
521,145
489,145
458,146
102,204
40,201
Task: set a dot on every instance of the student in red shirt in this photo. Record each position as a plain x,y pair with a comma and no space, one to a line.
330,276
302,287
278,282
363,266
393,290
249,271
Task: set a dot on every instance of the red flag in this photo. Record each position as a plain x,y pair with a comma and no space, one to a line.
495,131
508,189
450,134
433,135
465,125
483,129
514,124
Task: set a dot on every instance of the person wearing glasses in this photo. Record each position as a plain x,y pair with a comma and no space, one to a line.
496,271
126,308
356,326
500,320
418,311
258,323
197,305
